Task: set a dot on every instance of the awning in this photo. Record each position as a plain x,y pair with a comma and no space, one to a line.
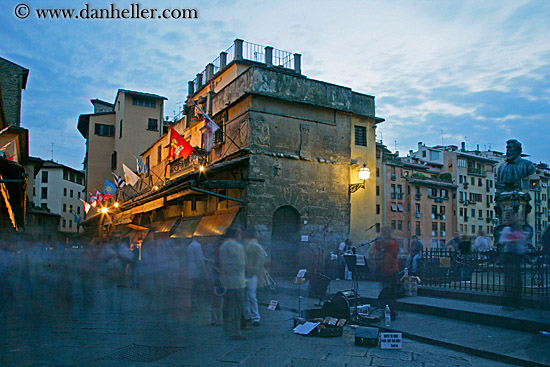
122,218
147,207
217,224
165,226
137,228
186,227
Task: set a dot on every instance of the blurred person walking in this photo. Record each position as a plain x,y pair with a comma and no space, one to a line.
255,275
514,239
387,246
233,261
196,270
482,242
415,252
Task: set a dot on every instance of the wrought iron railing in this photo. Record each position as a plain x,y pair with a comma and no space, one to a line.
484,271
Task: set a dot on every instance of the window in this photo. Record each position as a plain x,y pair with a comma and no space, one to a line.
432,192
377,227
399,225
361,136
444,193
78,194
120,130
473,229
70,208
78,210
423,154
435,243
377,172
159,154
71,194
114,160
70,224
473,213
434,155
473,180
434,229
480,182
417,229
461,163
141,101
408,225
393,207
34,191
442,212
399,207
461,212
442,229
480,213
377,190
434,211
377,208
44,176
64,191
64,207
393,225
64,223
44,193
104,130
417,208
153,124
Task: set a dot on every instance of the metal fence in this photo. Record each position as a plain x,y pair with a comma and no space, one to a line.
484,271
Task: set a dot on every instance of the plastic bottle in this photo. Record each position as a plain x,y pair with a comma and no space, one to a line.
387,314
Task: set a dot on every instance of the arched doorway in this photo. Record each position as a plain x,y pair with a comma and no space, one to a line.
285,238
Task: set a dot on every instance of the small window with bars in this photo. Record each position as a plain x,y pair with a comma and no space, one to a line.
361,136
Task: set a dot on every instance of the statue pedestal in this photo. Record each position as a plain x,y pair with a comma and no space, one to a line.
509,203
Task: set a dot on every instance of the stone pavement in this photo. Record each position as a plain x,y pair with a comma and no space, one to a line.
152,326
472,327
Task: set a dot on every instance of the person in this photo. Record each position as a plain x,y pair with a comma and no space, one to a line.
482,242
196,270
344,248
464,258
233,261
514,240
213,268
255,258
514,169
389,270
415,252
452,244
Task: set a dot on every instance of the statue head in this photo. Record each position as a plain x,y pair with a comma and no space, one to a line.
513,149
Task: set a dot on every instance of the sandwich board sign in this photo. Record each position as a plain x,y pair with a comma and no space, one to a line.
391,340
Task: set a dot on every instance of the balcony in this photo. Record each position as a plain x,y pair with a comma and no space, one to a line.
476,172
438,200
180,167
418,215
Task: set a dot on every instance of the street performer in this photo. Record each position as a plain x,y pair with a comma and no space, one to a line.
389,272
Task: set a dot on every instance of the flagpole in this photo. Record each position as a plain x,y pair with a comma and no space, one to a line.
149,171
131,186
216,125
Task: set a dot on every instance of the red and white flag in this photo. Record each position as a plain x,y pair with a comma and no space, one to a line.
179,147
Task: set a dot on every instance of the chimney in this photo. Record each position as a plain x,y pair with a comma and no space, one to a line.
269,56
478,147
463,146
199,81
238,49
190,88
410,153
223,59
298,63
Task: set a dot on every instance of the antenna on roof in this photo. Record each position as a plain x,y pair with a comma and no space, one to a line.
442,137
51,150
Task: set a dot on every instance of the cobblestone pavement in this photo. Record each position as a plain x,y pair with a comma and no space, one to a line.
155,326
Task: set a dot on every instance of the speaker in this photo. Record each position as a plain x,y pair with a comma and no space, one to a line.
338,307
318,284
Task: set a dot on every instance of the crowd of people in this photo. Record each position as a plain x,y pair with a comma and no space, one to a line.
220,277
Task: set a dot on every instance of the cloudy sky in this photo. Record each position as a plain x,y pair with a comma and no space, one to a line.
442,71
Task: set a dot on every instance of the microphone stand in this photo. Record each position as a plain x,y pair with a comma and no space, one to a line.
355,316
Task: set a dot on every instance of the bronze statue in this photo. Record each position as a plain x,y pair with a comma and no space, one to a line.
511,172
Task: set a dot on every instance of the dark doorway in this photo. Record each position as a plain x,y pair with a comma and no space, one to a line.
285,238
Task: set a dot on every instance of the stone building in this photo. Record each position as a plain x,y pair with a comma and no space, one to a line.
14,151
281,165
115,132
13,79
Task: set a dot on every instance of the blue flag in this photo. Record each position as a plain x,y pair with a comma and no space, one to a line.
141,167
77,218
109,188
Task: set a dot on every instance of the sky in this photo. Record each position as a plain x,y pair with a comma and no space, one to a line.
442,71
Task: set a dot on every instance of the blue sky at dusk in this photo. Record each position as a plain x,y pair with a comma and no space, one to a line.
441,71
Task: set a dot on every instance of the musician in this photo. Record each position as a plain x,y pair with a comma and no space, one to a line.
387,245
345,248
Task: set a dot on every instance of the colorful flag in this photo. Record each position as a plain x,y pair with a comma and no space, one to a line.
129,176
98,196
179,147
86,206
119,181
109,188
77,218
141,167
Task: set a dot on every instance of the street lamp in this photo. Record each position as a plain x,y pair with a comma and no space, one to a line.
104,210
364,174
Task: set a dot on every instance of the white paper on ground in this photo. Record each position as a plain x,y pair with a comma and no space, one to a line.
305,328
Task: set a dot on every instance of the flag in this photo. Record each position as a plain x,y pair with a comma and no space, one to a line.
98,196
86,206
119,181
141,167
210,128
109,188
77,218
129,176
93,200
179,147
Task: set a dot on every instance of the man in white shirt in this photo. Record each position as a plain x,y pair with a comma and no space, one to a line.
196,271
482,242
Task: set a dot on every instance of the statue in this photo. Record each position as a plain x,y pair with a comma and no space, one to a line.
511,172
510,201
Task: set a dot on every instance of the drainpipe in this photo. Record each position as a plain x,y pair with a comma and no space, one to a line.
193,188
